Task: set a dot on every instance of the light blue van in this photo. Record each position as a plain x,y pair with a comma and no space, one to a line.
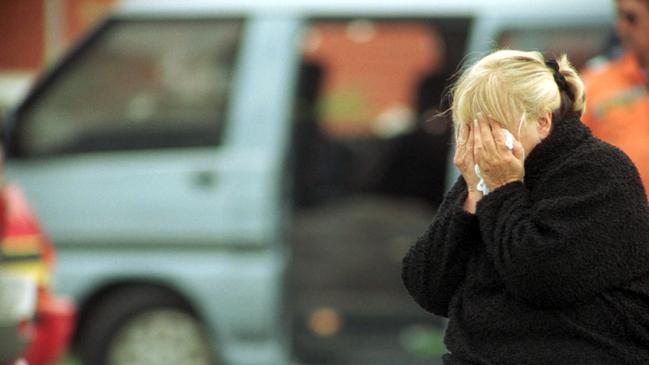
235,182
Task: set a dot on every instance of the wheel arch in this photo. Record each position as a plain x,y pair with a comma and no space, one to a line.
89,302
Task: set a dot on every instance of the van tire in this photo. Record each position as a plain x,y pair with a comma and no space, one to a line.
106,330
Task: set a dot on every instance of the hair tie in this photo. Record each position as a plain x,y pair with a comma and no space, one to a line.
559,79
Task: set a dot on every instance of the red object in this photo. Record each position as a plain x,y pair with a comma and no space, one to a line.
32,253
52,330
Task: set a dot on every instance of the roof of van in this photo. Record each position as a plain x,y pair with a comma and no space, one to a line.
524,8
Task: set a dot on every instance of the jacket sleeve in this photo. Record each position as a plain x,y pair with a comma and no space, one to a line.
435,266
584,232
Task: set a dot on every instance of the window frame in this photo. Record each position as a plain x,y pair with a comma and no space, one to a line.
15,123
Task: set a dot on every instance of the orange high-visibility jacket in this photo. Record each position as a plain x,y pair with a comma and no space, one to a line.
617,109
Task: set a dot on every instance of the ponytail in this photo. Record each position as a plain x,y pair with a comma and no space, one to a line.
571,88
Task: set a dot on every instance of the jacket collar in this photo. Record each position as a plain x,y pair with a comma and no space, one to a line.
566,135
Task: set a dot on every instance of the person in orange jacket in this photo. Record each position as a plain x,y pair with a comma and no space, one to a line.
616,91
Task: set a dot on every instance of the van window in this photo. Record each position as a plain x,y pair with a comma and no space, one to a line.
136,85
579,43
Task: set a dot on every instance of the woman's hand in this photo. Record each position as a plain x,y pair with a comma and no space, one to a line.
498,164
464,161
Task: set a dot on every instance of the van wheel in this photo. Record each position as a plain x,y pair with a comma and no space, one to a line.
144,326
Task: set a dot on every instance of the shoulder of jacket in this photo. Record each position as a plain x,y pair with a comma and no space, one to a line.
604,158
601,65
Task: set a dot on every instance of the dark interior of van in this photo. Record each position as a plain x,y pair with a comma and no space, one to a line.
369,168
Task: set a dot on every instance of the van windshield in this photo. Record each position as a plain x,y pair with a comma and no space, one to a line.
136,85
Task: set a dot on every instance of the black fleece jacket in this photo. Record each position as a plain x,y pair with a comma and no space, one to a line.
554,270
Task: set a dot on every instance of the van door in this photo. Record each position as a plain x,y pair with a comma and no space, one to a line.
157,141
124,143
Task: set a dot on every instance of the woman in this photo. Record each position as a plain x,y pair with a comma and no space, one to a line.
551,266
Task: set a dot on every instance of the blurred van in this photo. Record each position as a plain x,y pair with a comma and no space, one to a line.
236,182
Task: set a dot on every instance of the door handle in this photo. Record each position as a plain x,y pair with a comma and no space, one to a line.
204,179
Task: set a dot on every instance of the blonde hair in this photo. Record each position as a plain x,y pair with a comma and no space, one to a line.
509,87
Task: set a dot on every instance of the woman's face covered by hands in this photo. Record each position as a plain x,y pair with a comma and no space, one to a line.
498,164
484,143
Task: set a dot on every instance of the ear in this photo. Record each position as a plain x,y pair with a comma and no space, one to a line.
544,125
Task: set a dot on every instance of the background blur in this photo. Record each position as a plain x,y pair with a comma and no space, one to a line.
140,108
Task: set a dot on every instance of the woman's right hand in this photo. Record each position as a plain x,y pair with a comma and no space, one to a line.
465,162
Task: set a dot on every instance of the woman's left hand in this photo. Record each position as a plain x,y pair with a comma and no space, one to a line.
498,164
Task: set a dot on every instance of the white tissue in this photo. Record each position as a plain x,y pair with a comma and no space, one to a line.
509,143
481,187
509,139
